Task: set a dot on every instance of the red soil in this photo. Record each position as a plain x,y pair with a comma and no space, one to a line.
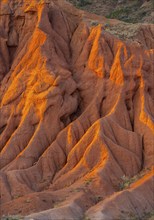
76,114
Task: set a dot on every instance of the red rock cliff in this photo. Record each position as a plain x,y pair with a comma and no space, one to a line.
76,114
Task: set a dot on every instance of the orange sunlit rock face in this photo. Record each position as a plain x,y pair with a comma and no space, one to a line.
76,114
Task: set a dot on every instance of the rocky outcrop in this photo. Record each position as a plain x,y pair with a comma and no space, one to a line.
76,112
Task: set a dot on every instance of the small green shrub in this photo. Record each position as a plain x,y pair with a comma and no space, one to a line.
149,215
97,199
126,181
134,216
94,23
28,201
88,181
12,217
86,218
119,13
17,196
84,3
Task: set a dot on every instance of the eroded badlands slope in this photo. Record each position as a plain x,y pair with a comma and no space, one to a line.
76,114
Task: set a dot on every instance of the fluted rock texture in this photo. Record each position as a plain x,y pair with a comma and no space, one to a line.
76,114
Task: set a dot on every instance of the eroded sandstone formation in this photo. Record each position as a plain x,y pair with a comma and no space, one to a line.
76,114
